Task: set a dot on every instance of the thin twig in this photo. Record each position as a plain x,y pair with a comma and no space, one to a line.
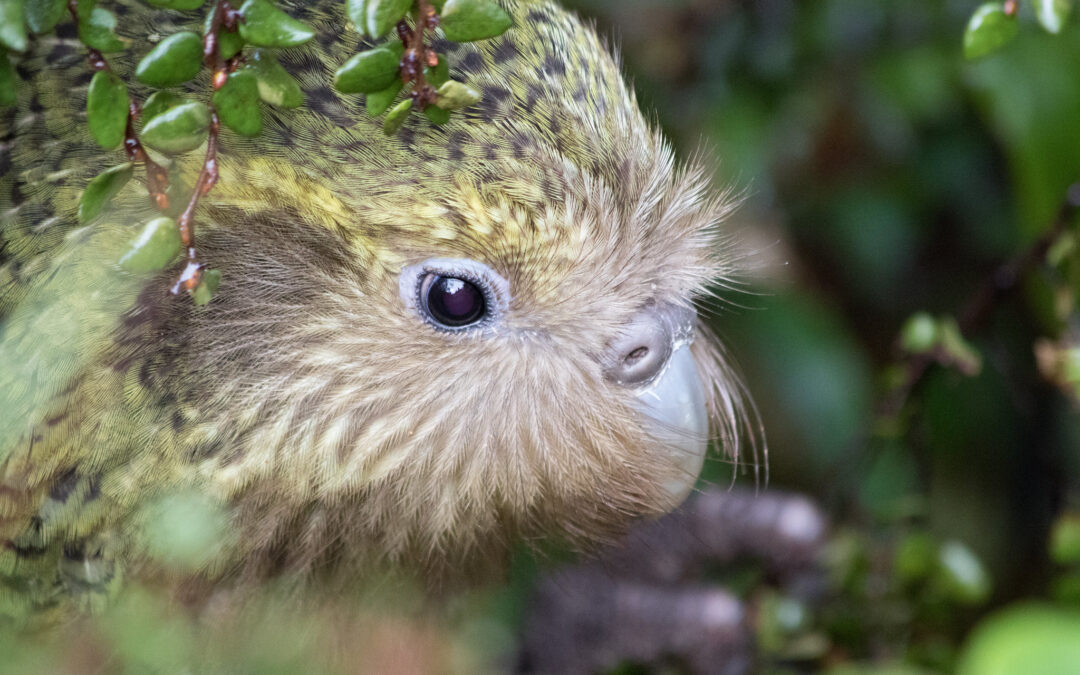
224,17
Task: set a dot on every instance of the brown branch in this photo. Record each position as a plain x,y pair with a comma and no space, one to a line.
417,54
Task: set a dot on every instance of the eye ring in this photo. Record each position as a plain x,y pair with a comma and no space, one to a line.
452,302
481,307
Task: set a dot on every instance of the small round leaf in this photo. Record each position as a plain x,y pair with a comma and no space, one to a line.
989,29
357,11
381,15
436,114
159,102
919,334
237,103
468,20
378,102
96,30
438,75
174,60
454,95
100,191
43,15
1065,540
1026,638
107,109
229,44
367,72
264,25
154,248
13,25
207,287
962,574
1052,14
396,117
276,86
179,129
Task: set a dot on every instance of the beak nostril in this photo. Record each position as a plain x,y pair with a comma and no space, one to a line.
635,356
642,350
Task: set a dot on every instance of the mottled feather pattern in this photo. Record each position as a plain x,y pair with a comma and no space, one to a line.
339,428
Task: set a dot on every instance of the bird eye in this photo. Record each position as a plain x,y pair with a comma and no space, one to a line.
452,302
455,294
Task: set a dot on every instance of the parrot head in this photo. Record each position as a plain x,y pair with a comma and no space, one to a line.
429,345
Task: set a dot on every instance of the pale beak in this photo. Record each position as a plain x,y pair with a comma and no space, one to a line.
652,358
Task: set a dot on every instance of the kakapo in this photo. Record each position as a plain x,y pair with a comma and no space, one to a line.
426,346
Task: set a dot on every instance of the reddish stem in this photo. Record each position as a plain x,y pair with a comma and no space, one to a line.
224,17
417,54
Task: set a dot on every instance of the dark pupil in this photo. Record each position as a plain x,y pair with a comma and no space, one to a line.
455,302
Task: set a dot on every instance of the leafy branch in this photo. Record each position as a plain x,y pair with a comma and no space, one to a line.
240,79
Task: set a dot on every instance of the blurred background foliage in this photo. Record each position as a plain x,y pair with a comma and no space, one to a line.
882,176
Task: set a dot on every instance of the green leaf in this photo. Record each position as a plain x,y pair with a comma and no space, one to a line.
96,31
100,191
154,248
377,102
436,114
468,20
962,574
956,351
381,15
438,75
357,11
159,102
8,97
229,43
276,86
454,95
1052,14
264,25
208,285
43,15
916,557
178,129
919,334
174,60
989,29
176,4
237,103
107,109
1027,638
396,117
1065,540
13,25
367,72
85,9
